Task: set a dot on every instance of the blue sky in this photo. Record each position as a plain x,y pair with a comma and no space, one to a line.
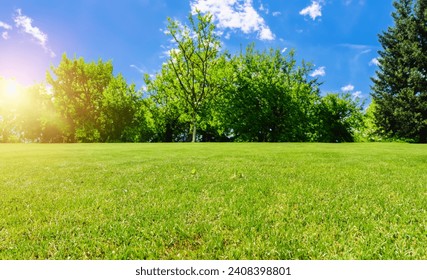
338,36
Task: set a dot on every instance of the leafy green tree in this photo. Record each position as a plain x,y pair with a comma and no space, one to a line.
370,130
271,98
167,108
37,119
120,106
8,110
340,118
28,114
194,63
78,89
400,85
94,105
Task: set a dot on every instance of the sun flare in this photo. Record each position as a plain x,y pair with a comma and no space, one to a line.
11,89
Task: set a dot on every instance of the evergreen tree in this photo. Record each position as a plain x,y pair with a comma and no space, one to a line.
400,87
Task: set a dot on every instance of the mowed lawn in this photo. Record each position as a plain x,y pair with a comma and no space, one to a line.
213,201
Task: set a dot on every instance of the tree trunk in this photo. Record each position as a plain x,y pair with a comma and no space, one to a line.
194,132
168,137
423,135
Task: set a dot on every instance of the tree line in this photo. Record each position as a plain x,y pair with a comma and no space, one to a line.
204,93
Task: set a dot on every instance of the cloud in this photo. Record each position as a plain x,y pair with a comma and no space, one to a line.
276,14
137,68
5,26
350,89
25,24
349,2
266,34
357,47
357,94
374,62
314,10
347,88
319,72
263,9
5,34
235,15
365,51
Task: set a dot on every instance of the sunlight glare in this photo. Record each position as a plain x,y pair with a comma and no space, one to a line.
11,89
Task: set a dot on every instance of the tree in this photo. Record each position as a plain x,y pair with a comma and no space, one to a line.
194,63
340,117
119,109
37,119
78,92
166,107
270,99
27,114
9,103
400,85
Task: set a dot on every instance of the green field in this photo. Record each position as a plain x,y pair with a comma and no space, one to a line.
213,201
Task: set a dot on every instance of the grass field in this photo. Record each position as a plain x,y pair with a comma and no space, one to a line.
213,201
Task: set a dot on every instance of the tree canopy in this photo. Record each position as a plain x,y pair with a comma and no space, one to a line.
201,93
400,85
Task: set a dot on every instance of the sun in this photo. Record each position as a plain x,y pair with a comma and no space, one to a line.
11,89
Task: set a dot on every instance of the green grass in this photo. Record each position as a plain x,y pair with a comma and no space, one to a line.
213,201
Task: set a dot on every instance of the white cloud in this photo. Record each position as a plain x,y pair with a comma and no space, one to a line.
266,35
349,2
284,50
319,72
5,25
276,14
374,61
26,25
263,9
348,88
235,14
314,10
355,46
137,68
357,94
5,34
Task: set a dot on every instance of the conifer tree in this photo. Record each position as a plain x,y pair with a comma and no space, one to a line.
400,85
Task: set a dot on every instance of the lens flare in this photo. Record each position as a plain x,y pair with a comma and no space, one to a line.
11,89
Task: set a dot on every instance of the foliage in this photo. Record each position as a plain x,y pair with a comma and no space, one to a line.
213,201
28,115
202,93
78,90
169,116
271,98
340,118
94,105
118,118
399,89
194,63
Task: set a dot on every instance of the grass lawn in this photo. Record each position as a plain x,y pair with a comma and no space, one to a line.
213,201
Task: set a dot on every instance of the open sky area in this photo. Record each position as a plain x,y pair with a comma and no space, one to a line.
338,36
